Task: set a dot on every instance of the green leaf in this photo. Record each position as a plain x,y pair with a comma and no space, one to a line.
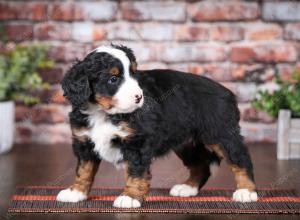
19,73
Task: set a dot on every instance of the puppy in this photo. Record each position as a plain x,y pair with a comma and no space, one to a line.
129,117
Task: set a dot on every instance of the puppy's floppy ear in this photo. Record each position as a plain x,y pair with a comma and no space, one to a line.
76,85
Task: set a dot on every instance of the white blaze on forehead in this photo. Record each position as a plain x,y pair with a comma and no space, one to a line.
117,53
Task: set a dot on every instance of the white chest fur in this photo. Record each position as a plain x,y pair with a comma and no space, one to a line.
101,132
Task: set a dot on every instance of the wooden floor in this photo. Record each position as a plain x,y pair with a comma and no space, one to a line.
54,165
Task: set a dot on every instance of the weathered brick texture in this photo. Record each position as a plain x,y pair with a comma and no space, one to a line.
236,42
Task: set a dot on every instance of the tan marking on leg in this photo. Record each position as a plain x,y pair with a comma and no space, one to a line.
80,133
85,174
137,187
114,71
195,176
217,149
198,174
242,178
105,102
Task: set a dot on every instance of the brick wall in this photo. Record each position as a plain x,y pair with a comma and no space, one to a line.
237,43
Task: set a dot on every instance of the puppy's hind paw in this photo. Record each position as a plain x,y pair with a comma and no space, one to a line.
244,195
183,190
69,195
126,202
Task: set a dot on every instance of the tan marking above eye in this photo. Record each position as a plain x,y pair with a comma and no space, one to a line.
114,71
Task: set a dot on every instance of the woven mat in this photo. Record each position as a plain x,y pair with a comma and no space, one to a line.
41,199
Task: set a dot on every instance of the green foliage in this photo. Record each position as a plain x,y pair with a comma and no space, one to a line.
286,97
19,78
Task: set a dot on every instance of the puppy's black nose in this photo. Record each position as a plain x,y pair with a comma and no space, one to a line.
138,98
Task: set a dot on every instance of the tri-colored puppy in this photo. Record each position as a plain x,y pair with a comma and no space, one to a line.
129,117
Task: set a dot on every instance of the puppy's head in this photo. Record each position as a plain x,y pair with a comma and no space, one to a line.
105,77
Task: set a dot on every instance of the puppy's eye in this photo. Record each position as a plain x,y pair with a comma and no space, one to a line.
113,80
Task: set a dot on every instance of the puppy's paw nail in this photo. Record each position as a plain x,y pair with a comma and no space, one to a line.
68,195
244,195
126,202
183,190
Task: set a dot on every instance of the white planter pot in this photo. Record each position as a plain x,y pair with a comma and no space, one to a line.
7,125
288,143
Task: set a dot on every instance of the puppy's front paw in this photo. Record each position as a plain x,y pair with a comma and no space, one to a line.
183,190
68,195
244,195
126,202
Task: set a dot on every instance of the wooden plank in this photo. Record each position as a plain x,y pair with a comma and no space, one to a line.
294,151
294,136
284,119
295,123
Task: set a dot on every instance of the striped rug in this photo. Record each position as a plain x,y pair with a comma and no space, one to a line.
42,199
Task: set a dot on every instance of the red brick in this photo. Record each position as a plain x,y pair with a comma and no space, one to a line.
122,31
251,114
152,65
285,71
262,31
194,68
191,52
88,32
226,33
153,10
99,33
52,76
192,32
292,31
98,11
259,132
156,32
225,72
65,11
281,11
245,92
264,52
54,95
242,54
146,52
48,114
39,11
23,133
19,31
276,52
223,10
19,10
45,134
23,113
7,11
51,134
69,51
52,31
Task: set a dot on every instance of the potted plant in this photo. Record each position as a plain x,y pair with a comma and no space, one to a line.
284,103
19,82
